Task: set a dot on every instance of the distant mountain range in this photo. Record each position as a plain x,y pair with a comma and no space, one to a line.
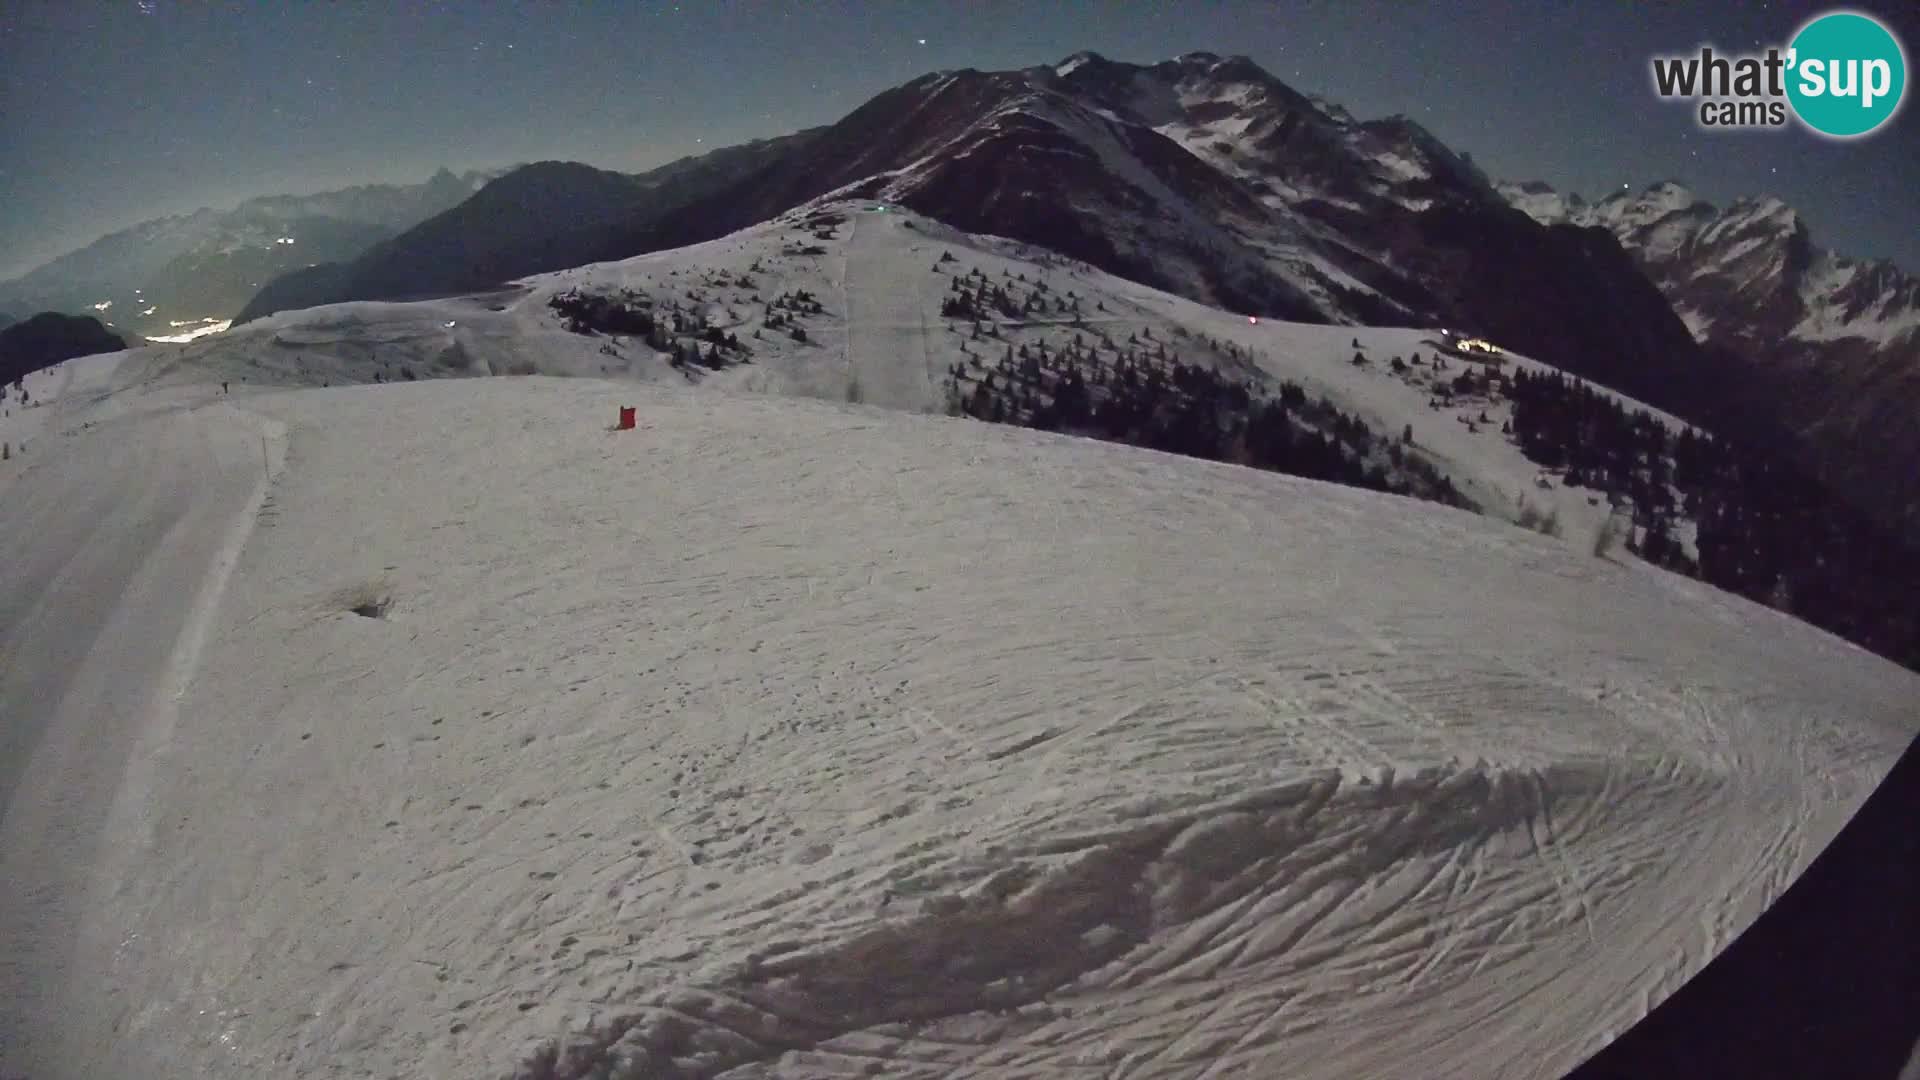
1832,343
155,277
540,217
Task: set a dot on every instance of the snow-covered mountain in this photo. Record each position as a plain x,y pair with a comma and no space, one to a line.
1833,342
443,729
437,729
1209,178
1543,203
1750,274
879,274
157,276
1203,176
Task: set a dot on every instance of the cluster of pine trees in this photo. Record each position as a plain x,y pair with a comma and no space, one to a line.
589,313
1153,399
1561,423
973,295
1766,529
678,335
785,311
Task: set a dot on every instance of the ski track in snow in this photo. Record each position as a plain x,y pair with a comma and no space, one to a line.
798,739
789,739
122,548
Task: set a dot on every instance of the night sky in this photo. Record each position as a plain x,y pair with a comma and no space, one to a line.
115,112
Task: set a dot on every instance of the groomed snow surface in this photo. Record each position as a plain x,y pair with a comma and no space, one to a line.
789,739
435,729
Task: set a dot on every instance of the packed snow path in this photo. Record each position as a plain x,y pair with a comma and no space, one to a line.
782,738
885,319
117,547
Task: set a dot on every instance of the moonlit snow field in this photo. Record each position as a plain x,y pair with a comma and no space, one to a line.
436,729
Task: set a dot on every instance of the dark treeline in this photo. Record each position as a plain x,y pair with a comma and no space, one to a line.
675,333
1766,529
1139,393
626,313
1147,397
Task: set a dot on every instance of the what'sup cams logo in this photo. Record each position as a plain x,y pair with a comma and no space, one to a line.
1843,75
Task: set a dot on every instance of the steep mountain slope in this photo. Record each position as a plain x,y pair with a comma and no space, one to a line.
1202,176
166,273
48,338
1370,222
1747,276
1008,153
537,218
1208,178
1831,343
798,739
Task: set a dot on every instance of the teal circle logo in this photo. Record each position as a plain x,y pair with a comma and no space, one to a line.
1846,74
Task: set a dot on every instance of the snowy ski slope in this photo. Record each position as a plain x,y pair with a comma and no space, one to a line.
794,738
880,337
790,738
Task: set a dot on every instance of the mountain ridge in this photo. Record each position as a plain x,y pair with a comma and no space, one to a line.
508,229
1203,175
1830,342
205,264
1210,178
